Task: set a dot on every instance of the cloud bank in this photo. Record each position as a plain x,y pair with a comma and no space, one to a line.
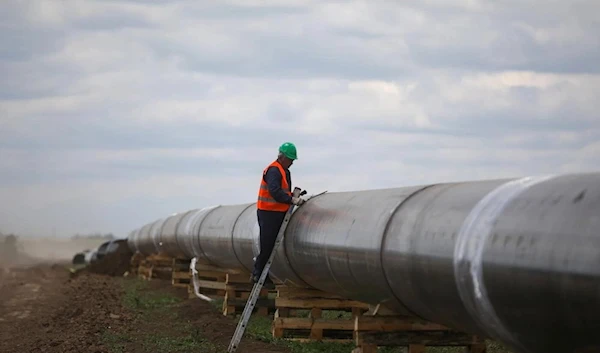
115,113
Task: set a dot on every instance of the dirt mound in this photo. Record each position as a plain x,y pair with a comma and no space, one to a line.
43,310
115,263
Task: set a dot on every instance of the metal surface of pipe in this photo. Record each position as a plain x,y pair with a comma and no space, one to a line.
192,238
418,251
517,260
341,235
88,256
168,236
215,236
245,237
103,249
536,262
155,232
79,258
183,235
131,239
143,242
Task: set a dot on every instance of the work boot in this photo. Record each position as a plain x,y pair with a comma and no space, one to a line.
268,282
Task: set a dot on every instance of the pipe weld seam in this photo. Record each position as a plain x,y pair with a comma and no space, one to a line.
177,244
468,254
233,233
383,243
198,235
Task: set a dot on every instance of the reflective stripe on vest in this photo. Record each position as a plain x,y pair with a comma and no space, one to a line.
265,201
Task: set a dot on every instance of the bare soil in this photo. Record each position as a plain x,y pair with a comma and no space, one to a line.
45,308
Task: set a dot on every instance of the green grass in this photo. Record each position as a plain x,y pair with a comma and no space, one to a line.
161,343
259,328
156,306
152,306
217,304
137,299
115,342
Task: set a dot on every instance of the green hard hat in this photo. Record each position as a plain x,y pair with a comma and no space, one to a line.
289,150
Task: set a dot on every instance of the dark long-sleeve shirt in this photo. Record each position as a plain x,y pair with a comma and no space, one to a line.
273,180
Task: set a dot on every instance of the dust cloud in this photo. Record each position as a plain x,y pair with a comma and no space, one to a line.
26,251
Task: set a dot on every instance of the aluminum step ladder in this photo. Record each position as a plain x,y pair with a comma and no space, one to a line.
241,327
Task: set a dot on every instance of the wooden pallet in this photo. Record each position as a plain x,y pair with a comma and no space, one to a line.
237,291
135,262
231,286
305,314
144,270
371,332
181,275
211,281
155,266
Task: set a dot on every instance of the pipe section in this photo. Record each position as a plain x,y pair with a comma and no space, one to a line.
341,235
517,260
155,233
143,243
168,236
216,236
418,251
245,238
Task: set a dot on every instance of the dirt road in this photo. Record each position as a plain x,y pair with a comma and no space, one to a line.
42,309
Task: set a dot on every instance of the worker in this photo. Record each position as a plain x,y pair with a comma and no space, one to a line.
274,200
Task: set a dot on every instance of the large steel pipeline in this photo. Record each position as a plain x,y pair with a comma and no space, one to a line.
516,260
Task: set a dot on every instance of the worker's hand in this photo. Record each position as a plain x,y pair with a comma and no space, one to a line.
297,201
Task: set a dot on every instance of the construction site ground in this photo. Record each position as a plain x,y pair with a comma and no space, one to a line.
47,308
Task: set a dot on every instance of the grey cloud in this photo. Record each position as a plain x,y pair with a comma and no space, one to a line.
481,131
515,49
86,134
330,57
236,12
18,44
280,56
77,133
35,78
112,21
279,110
316,51
66,169
349,52
500,36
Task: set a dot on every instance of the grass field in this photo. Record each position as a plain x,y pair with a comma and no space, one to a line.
164,327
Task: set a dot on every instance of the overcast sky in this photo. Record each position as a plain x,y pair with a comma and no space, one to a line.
116,113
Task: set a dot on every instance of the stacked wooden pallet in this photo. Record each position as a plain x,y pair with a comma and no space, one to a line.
371,332
181,275
305,314
135,263
155,266
231,286
237,292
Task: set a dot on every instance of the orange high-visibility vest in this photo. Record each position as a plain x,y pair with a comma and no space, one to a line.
265,200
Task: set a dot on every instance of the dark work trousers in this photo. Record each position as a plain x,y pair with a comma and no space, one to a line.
269,223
